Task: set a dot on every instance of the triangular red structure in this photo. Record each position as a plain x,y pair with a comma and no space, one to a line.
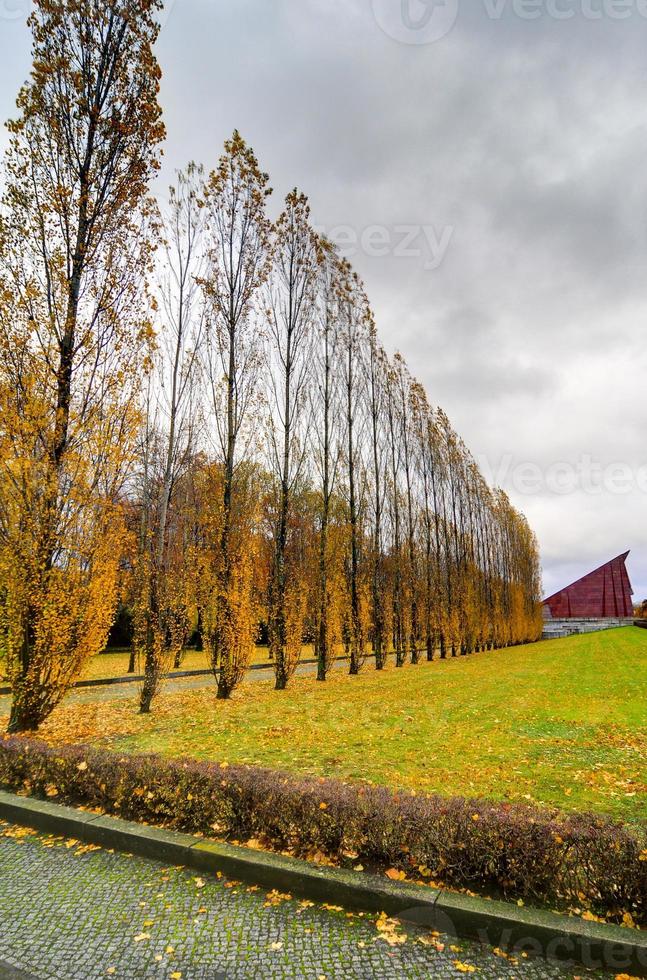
603,594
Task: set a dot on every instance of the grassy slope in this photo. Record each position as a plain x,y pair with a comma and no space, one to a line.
561,722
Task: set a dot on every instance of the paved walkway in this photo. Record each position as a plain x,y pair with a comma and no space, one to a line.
73,912
123,692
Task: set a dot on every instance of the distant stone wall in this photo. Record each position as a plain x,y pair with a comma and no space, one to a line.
556,628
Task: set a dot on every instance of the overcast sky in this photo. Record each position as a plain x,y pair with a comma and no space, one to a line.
484,165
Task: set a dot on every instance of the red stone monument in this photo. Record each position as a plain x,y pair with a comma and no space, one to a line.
603,594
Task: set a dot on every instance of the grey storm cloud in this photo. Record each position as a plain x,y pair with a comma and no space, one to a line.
518,141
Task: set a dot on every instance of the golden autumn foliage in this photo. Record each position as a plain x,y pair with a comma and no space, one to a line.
74,327
276,470
226,590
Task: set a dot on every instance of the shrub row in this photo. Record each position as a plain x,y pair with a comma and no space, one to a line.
518,851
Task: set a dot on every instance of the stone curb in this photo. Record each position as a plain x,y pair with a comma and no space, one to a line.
500,924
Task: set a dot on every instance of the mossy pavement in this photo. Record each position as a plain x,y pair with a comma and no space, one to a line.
74,912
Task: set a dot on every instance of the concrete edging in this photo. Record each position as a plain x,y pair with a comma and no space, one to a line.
500,924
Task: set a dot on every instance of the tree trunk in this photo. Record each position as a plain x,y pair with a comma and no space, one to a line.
356,644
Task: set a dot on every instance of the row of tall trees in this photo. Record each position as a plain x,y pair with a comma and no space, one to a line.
316,490
196,411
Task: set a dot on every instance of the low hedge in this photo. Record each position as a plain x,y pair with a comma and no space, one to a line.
519,851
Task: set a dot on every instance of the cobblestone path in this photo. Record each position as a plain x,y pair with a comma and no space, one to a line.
73,912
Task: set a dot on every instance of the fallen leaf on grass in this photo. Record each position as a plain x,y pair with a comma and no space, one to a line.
395,875
591,917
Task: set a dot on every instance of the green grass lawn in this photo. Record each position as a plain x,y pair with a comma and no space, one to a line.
559,722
